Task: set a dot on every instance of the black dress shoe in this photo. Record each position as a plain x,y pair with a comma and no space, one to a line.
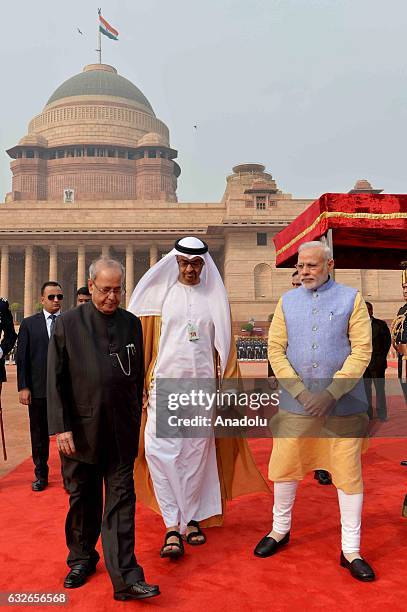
39,485
358,568
404,462
268,545
323,477
138,590
78,575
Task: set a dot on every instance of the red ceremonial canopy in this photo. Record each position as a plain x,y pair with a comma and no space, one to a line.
368,230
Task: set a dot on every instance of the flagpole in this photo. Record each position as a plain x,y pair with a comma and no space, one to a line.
99,49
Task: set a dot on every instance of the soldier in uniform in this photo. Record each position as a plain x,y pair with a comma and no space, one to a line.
264,350
399,338
240,349
9,337
399,335
256,346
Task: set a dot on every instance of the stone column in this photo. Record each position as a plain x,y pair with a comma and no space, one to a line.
53,262
232,276
153,255
129,272
4,273
34,276
105,251
81,272
28,281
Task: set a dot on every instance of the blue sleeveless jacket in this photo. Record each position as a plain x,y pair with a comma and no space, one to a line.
318,343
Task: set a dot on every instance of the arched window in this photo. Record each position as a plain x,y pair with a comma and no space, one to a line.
262,281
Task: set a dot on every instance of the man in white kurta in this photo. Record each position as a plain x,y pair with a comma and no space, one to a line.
186,291
183,470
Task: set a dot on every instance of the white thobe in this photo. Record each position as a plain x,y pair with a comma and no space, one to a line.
184,471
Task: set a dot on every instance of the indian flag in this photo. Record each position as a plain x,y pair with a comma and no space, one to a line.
106,29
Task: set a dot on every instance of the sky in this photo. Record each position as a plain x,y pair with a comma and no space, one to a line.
313,89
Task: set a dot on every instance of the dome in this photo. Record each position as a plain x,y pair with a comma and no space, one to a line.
252,168
152,139
101,80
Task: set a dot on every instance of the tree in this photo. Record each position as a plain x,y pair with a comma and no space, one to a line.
15,307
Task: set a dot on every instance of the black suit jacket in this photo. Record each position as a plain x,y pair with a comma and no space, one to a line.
381,343
31,355
9,334
88,392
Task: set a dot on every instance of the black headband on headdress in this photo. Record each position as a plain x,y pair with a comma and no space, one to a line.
190,250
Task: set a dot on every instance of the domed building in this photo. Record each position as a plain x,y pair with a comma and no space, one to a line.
96,174
97,136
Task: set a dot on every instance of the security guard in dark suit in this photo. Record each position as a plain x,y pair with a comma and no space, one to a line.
31,360
376,370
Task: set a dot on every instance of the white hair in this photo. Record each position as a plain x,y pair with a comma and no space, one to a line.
317,244
104,262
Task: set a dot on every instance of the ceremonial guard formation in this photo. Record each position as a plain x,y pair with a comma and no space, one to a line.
251,349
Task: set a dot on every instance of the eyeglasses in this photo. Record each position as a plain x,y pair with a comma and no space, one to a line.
196,265
107,290
302,266
52,297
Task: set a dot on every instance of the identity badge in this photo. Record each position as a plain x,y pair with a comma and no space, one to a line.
193,333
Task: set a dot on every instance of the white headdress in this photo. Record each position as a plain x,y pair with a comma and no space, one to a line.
149,295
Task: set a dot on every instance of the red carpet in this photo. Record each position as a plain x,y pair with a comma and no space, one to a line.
224,574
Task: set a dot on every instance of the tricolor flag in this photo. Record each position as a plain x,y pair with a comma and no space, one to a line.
106,29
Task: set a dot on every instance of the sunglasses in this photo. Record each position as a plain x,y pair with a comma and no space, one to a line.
52,297
196,265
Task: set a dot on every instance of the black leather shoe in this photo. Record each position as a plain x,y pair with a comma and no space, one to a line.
269,546
78,575
358,568
138,590
404,462
323,477
39,485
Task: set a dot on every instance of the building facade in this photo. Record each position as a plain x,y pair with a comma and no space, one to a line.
96,174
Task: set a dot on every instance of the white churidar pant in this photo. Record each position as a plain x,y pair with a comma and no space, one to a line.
350,507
